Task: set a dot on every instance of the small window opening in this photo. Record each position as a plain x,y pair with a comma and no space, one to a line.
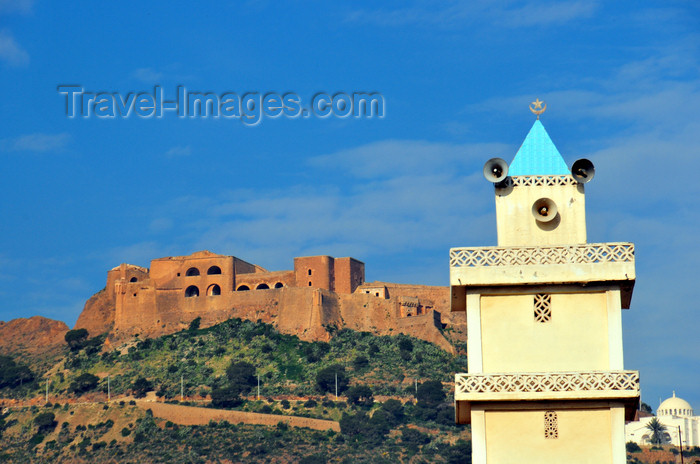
551,426
543,307
133,279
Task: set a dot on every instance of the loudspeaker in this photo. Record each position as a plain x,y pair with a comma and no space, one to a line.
495,170
544,210
583,171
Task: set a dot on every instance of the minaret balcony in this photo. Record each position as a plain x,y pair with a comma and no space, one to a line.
537,265
618,386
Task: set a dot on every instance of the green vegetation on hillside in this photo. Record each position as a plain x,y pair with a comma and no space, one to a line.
285,365
122,433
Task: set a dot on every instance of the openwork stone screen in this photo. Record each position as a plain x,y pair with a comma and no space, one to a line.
518,181
551,427
543,307
548,382
591,253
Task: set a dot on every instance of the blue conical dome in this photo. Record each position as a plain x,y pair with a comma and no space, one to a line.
538,156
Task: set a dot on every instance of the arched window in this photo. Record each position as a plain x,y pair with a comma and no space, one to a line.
309,271
191,291
214,290
133,279
214,270
279,285
193,271
262,287
243,288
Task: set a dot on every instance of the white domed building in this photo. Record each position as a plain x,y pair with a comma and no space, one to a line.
674,412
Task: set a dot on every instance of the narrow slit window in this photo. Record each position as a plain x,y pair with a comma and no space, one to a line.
543,307
551,426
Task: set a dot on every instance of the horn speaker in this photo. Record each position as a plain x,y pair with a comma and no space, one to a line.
583,171
495,170
544,209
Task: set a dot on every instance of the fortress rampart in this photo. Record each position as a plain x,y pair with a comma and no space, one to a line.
321,291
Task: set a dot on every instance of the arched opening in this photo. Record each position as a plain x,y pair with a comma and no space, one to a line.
214,270
243,288
214,290
133,279
193,271
279,285
262,287
191,291
309,271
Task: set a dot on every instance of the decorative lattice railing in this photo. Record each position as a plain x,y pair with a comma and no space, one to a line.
604,381
591,253
542,180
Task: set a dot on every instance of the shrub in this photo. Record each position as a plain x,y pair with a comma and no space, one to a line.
194,325
141,386
241,376
360,395
76,338
326,379
226,397
285,404
12,374
46,422
405,344
395,408
36,439
126,432
413,438
84,383
360,362
310,403
632,447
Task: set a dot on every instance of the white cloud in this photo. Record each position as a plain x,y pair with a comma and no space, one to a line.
179,151
455,14
147,75
38,143
10,51
16,6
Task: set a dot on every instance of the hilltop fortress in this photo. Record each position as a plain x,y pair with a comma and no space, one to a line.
320,293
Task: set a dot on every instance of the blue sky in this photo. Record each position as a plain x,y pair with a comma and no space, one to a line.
621,80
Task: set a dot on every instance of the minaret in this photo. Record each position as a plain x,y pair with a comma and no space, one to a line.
546,382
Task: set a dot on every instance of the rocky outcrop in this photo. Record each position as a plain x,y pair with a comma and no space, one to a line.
98,314
31,336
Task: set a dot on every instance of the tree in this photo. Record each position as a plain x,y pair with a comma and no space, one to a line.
395,409
632,447
360,395
46,422
360,363
431,397
194,325
325,379
658,431
141,386
84,383
241,376
646,408
12,374
405,344
225,397
76,338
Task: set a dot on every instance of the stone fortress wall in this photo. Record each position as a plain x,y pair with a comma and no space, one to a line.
320,291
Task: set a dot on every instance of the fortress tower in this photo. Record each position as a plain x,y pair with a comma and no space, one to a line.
546,382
